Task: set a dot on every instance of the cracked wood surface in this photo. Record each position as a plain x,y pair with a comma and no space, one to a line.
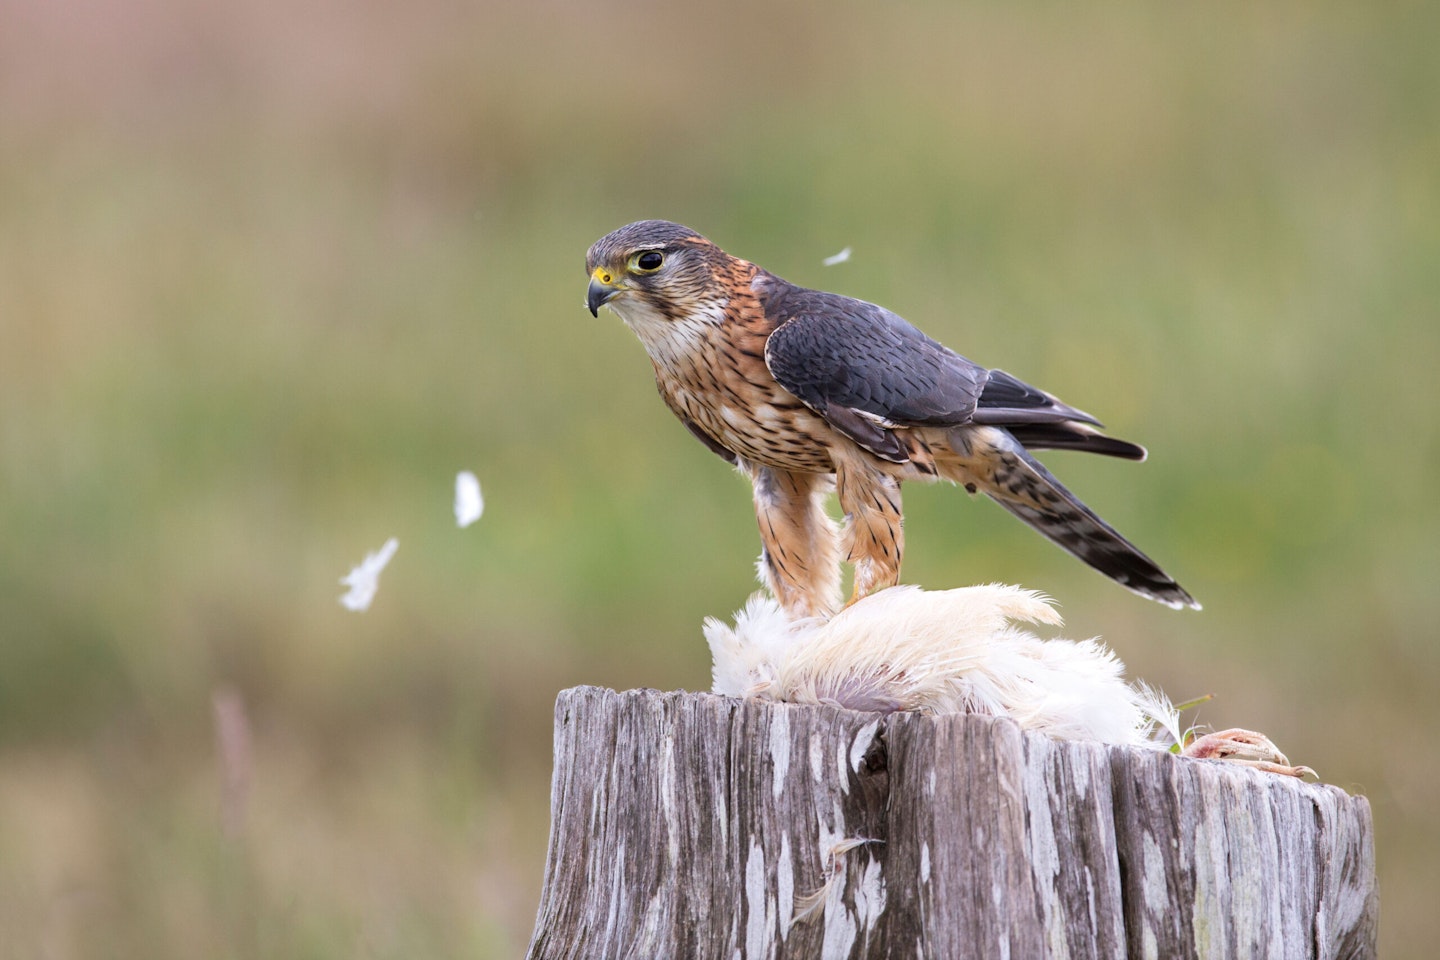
690,825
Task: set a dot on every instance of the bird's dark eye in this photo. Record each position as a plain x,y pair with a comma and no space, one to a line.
649,260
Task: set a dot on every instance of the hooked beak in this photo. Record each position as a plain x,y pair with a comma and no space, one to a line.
599,294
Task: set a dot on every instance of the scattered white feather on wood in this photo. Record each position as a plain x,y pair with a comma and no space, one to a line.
364,580
832,868
469,503
838,258
1158,708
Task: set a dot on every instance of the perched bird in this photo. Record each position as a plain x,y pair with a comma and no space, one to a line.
809,392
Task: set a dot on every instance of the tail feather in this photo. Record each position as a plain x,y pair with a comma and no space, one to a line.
1004,471
1074,436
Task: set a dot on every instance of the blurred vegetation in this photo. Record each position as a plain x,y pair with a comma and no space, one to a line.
270,274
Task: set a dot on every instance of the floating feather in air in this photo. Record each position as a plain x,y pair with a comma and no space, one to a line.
469,503
364,580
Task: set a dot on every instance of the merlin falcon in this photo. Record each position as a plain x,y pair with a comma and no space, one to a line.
809,392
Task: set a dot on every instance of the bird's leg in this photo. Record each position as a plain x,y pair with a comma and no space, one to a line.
800,555
874,532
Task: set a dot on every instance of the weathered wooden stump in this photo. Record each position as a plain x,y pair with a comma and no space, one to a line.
689,825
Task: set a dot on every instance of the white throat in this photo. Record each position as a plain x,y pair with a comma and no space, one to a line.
668,340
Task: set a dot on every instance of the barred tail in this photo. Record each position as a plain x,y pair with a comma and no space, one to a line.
1003,470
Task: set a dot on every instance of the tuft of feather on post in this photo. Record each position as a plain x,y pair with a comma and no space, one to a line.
947,651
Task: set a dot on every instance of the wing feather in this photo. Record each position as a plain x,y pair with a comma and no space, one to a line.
833,351
867,370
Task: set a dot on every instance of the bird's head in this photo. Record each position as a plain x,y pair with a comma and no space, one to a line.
654,268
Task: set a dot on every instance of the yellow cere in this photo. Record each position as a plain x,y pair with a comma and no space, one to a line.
602,275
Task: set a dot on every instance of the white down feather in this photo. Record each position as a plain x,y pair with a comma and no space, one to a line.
947,651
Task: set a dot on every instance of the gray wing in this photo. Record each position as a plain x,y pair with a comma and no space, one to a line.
865,369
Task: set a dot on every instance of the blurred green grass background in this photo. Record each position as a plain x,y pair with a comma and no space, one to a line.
271,273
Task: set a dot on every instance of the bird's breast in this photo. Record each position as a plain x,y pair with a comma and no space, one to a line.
710,369
748,413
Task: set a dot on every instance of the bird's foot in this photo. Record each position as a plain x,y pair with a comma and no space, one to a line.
1244,746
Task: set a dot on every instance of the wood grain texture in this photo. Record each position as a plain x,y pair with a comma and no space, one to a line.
690,825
